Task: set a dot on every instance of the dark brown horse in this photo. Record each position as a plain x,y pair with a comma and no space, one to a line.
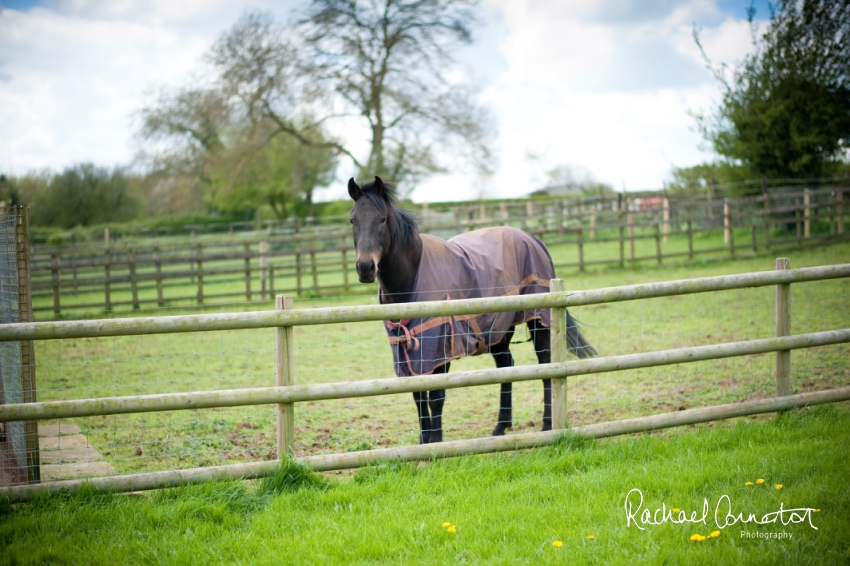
414,267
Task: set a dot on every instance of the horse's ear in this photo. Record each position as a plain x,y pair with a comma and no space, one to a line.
353,189
379,187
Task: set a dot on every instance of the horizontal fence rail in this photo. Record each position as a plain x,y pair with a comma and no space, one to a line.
330,462
286,394
52,330
318,261
389,386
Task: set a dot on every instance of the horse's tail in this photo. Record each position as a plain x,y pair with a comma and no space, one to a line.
575,341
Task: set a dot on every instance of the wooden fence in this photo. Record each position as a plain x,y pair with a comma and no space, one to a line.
285,394
321,262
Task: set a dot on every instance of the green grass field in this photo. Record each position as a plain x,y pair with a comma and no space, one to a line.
512,508
73,369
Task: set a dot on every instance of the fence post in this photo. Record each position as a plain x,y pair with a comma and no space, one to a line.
264,264
200,264
766,220
755,239
620,216
298,264
271,279
285,374
191,257
783,328
580,243
630,221
74,271
558,340
657,243
593,222
731,234
158,267
107,279
55,271
666,214
807,225
134,284
345,263
798,220
247,248
313,267
28,366
727,222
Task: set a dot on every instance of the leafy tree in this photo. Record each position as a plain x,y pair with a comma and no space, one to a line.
81,195
786,109
387,62
246,141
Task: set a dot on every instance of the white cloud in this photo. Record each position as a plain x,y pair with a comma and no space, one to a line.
601,83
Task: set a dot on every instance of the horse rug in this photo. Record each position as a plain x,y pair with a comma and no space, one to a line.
492,262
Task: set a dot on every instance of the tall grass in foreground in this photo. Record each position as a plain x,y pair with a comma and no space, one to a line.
507,508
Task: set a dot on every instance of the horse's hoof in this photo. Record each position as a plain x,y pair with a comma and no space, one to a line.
501,429
546,426
424,438
436,436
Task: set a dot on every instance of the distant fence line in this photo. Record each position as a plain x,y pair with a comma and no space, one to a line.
286,393
293,263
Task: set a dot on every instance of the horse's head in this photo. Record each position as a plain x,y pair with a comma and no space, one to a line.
371,221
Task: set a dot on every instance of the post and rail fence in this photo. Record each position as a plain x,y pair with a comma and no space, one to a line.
286,394
208,272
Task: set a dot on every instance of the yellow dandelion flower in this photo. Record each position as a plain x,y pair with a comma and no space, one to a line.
697,537
591,537
446,524
779,486
749,483
452,529
817,510
715,534
676,509
760,480
557,544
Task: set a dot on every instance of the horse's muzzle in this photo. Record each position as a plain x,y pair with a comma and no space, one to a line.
366,270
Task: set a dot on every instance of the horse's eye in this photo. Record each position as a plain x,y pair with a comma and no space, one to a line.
383,220
351,220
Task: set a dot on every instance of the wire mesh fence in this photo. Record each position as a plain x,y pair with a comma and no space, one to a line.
204,361
18,440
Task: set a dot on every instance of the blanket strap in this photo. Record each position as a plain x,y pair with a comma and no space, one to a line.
409,341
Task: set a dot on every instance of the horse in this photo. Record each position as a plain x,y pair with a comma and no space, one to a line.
412,267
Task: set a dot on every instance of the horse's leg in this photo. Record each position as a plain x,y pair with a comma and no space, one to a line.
421,400
436,399
502,356
540,336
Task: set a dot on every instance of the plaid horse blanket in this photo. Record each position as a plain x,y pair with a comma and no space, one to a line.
493,262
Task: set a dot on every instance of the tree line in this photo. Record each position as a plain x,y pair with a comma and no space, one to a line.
277,110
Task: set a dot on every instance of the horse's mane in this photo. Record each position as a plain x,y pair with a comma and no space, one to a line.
402,223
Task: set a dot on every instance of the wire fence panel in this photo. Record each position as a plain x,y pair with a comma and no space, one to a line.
18,440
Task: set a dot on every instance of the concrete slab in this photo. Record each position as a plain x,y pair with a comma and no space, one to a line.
67,454
58,429
84,454
62,442
52,472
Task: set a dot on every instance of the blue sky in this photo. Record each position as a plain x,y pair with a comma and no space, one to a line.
603,86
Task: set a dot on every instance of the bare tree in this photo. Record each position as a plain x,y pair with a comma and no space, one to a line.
388,61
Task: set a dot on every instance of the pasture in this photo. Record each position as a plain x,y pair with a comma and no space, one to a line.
506,509
86,368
